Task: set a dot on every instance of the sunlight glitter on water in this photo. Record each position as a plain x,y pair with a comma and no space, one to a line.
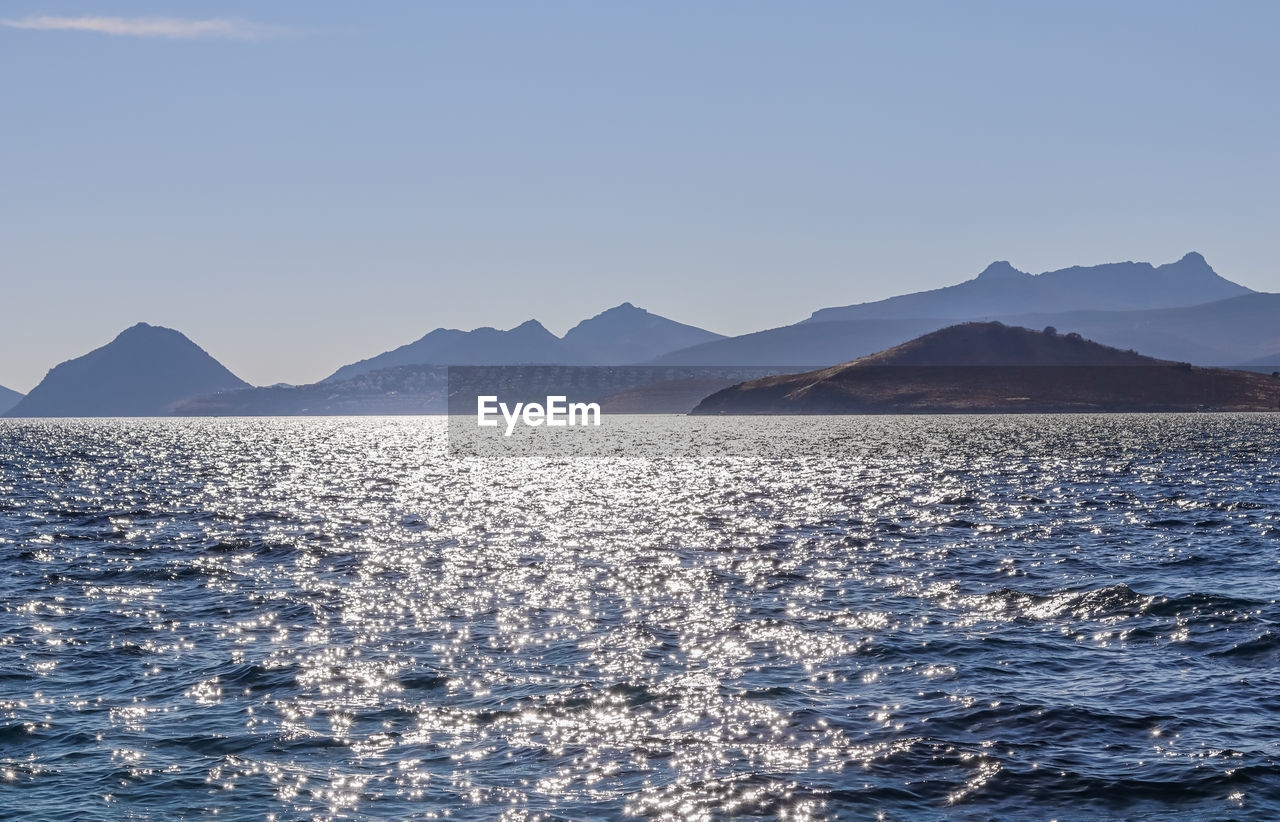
918,617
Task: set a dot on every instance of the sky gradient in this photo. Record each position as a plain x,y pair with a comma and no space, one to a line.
298,185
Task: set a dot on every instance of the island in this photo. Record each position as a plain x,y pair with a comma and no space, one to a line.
989,367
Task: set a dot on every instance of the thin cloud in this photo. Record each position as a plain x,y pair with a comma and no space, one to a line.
170,28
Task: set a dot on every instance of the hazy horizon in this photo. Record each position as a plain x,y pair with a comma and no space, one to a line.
302,185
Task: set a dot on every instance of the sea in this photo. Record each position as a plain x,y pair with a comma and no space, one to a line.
1041,617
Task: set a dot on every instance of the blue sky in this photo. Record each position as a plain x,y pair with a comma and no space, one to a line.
296,185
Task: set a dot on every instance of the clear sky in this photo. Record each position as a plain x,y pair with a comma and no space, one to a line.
300,184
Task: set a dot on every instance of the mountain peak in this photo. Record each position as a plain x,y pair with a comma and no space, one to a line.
141,328
618,311
1001,270
1194,268
627,334
146,334
144,372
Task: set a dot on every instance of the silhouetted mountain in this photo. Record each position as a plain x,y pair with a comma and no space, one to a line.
1271,362
1002,290
526,344
621,335
1225,332
994,368
1239,329
626,334
8,399
803,344
143,372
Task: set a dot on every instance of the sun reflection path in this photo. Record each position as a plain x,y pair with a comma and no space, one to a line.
335,619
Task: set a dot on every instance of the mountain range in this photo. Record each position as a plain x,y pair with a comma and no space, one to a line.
1182,311
623,334
1002,290
153,371
1241,331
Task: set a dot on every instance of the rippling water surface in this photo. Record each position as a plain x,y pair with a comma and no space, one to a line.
1068,617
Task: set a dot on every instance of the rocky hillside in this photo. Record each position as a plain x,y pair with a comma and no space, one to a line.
994,368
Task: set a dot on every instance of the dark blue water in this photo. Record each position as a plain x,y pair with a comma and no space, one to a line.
1066,617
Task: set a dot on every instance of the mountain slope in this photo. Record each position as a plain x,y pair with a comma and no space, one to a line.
622,335
994,368
1002,290
626,334
404,389
526,344
803,344
1243,329
8,399
1224,332
145,371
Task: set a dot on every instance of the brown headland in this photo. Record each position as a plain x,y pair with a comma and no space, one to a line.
994,368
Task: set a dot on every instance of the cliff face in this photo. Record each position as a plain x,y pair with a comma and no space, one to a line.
145,371
993,368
